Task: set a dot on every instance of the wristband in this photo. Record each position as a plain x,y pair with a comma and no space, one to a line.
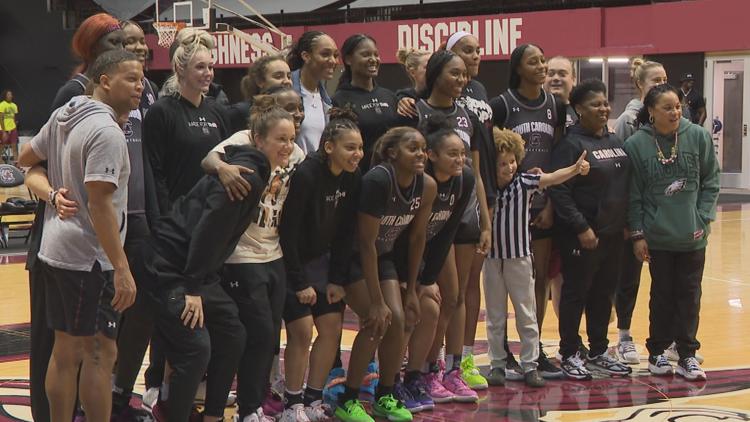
637,235
51,198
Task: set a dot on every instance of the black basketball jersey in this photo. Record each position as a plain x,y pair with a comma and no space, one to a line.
400,208
457,116
448,194
536,125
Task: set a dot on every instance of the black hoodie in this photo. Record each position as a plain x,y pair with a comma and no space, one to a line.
203,227
600,199
319,217
375,110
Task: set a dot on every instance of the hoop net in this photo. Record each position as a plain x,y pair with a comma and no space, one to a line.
167,31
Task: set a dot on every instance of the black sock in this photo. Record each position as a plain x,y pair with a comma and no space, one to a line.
456,363
348,394
290,399
383,390
312,395
412,376
434,367
397,378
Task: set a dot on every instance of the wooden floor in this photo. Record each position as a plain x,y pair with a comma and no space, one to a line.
724,334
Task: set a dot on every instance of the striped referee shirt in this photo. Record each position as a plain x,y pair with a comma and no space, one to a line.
510,224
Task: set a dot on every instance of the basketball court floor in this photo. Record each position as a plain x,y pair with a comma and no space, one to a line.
724,334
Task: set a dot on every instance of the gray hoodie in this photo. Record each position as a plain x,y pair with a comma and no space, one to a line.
82,142
627,123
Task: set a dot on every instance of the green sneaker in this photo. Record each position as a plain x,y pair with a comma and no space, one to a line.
390,408
353,411
470,374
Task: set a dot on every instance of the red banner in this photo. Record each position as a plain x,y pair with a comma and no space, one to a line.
678,27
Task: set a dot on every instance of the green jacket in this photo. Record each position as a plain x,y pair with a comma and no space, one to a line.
673,204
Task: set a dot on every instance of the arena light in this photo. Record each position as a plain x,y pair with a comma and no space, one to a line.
596,60
618,60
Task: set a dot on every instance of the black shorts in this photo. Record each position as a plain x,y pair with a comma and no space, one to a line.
468,231
79,302
386,268
315,272
402,268
536,233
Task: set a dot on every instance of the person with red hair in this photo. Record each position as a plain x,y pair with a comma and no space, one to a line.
97,34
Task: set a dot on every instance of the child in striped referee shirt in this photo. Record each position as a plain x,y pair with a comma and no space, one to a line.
508,269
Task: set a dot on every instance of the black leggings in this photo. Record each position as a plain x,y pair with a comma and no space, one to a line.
627,286
259,291
42,340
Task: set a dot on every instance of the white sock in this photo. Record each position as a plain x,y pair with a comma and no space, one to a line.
624,334
467,350
164,391
441,354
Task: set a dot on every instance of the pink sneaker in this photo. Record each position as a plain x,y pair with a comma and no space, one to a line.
453,382
273,405
436,390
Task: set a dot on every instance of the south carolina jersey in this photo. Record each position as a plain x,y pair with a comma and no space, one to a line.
400,208
536,125
448,194
457,116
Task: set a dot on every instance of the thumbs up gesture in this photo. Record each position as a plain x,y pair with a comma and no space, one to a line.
582,166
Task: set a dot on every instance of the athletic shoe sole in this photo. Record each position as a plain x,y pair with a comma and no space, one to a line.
608,371
690,377
462,399
568,375
655,370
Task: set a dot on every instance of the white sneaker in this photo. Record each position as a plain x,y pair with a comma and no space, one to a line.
671,353
200,395
659,365
627,352
258,416
296,413
318,411
149,398
690,369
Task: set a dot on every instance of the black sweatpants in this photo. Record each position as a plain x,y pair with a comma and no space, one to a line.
42,340
136,325
675,303
590,279
259,291
627,286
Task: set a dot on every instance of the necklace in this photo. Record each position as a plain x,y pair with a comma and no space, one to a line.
672,154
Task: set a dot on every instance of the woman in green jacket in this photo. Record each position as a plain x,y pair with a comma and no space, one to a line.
673,191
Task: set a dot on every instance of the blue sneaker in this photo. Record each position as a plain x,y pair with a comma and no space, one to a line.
402,394
418,390
370,382
334,386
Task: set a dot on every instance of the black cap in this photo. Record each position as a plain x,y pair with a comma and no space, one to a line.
687,77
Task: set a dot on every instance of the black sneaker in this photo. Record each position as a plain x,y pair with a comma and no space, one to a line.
607,364
513,371
496,376
574,368
546,368
533,379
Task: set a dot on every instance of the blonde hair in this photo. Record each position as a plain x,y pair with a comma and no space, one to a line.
188,42
639,68
409,58
509,141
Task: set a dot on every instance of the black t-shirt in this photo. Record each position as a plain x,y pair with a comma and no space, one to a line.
177,136
238,115
319,217
695,101
376,113
383,198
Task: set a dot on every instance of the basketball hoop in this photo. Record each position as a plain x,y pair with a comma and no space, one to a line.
167,31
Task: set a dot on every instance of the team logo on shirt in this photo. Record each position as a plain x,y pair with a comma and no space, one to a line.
676,186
